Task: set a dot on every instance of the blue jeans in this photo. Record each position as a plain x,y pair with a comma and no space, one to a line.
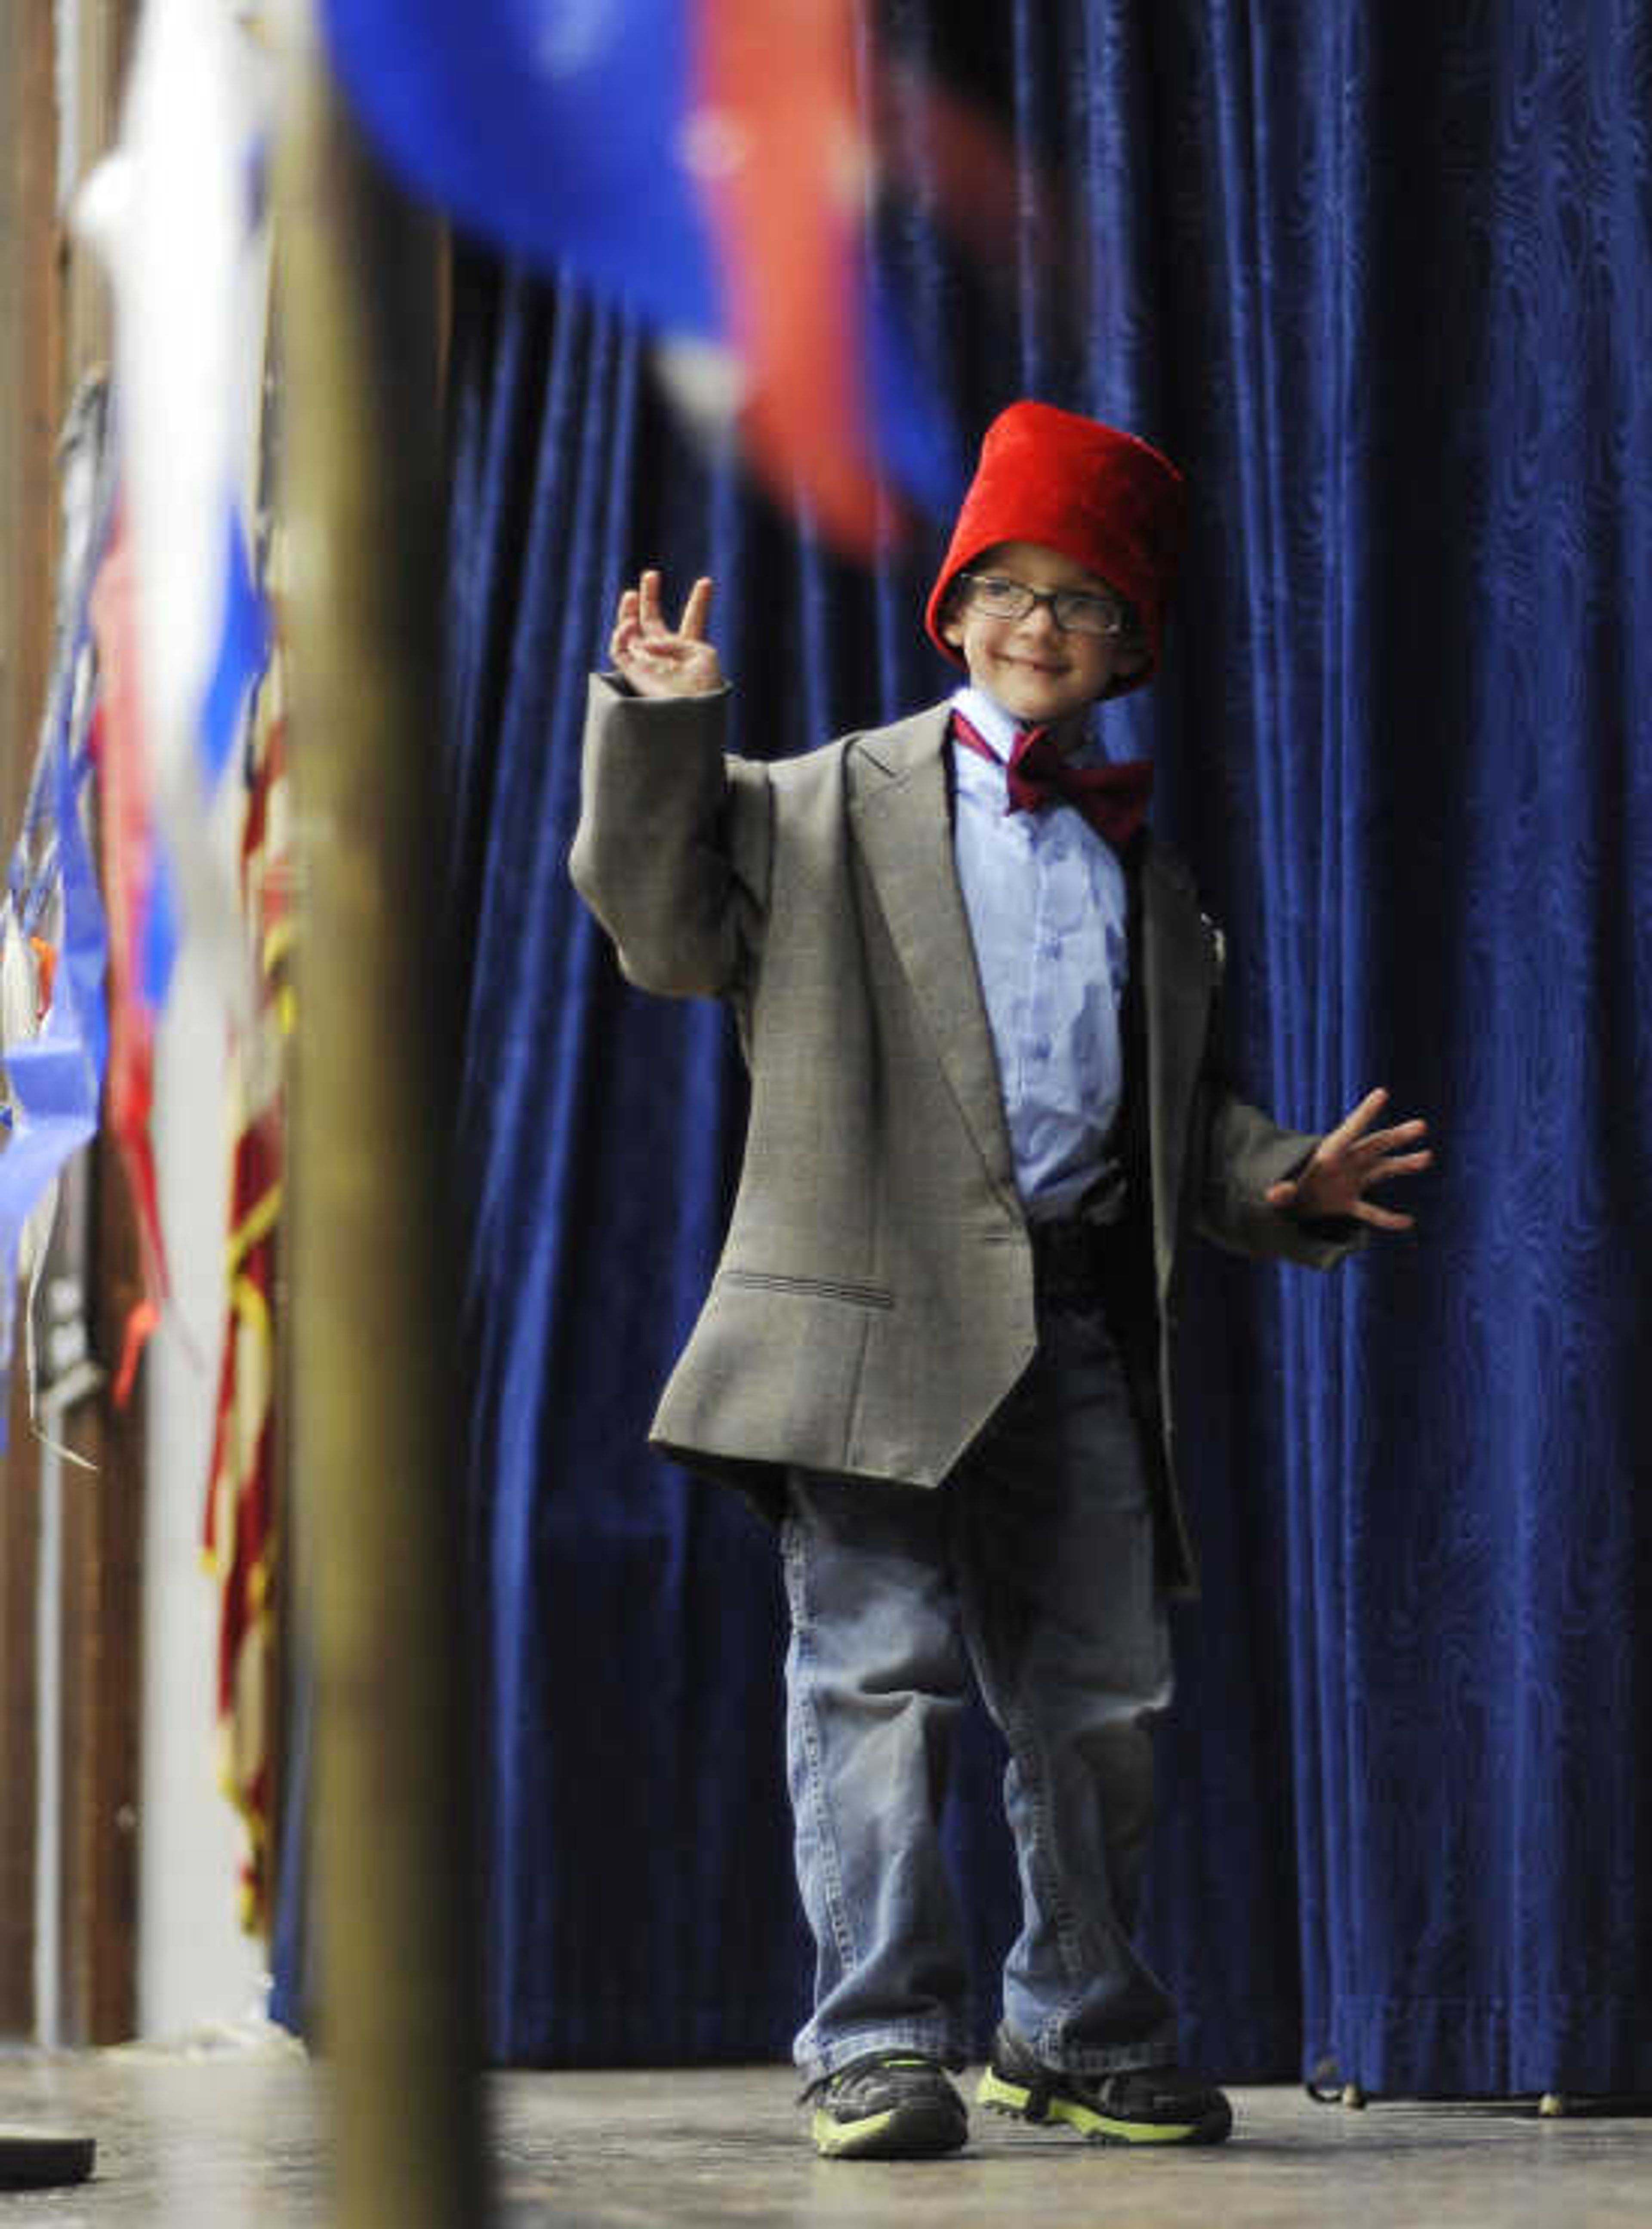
1033,1564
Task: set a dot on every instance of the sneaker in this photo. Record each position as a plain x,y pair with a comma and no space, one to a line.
890,2104
1140,2105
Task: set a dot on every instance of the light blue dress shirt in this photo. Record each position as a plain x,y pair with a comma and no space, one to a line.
1048,913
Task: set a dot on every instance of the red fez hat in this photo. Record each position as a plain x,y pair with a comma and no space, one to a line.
1106,500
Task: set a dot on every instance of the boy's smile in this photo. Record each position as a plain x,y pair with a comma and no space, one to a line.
1039,670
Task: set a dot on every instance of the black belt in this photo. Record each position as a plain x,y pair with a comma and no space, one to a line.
1071,1261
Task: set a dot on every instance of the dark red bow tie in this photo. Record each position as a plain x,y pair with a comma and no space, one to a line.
1113,799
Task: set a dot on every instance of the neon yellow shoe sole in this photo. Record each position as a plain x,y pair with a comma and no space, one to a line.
904,2132
1001,2094
924,2123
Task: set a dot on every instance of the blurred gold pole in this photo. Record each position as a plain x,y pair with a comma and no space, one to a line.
383,1601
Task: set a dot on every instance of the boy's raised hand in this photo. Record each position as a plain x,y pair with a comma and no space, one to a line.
659,660
1347,1161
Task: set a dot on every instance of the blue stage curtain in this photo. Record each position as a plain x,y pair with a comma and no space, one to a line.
1381,279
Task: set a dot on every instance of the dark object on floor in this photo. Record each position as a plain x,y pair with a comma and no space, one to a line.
42,2159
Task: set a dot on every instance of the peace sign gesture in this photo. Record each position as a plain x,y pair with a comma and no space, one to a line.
659,660
1347,1162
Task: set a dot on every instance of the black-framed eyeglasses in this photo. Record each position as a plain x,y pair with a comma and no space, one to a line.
1073,610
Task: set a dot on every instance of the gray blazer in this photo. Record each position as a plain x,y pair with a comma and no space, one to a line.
873,1302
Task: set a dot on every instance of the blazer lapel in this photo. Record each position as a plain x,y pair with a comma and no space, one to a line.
904,831
1177,976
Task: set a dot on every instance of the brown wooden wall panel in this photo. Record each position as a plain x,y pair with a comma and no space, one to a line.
102,1700
54,323
19,1569
30,381
31,292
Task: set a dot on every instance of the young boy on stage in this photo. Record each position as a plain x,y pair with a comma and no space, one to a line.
977,998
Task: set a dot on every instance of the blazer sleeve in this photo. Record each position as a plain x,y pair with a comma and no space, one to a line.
1245,1152
672,851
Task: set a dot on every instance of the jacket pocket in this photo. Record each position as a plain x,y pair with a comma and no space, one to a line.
825,1288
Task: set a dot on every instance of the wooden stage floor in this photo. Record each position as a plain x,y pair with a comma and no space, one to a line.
214,2138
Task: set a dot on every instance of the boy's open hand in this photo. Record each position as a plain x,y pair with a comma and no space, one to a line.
655,660
1347,1162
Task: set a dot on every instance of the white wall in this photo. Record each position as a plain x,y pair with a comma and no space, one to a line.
195,1968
